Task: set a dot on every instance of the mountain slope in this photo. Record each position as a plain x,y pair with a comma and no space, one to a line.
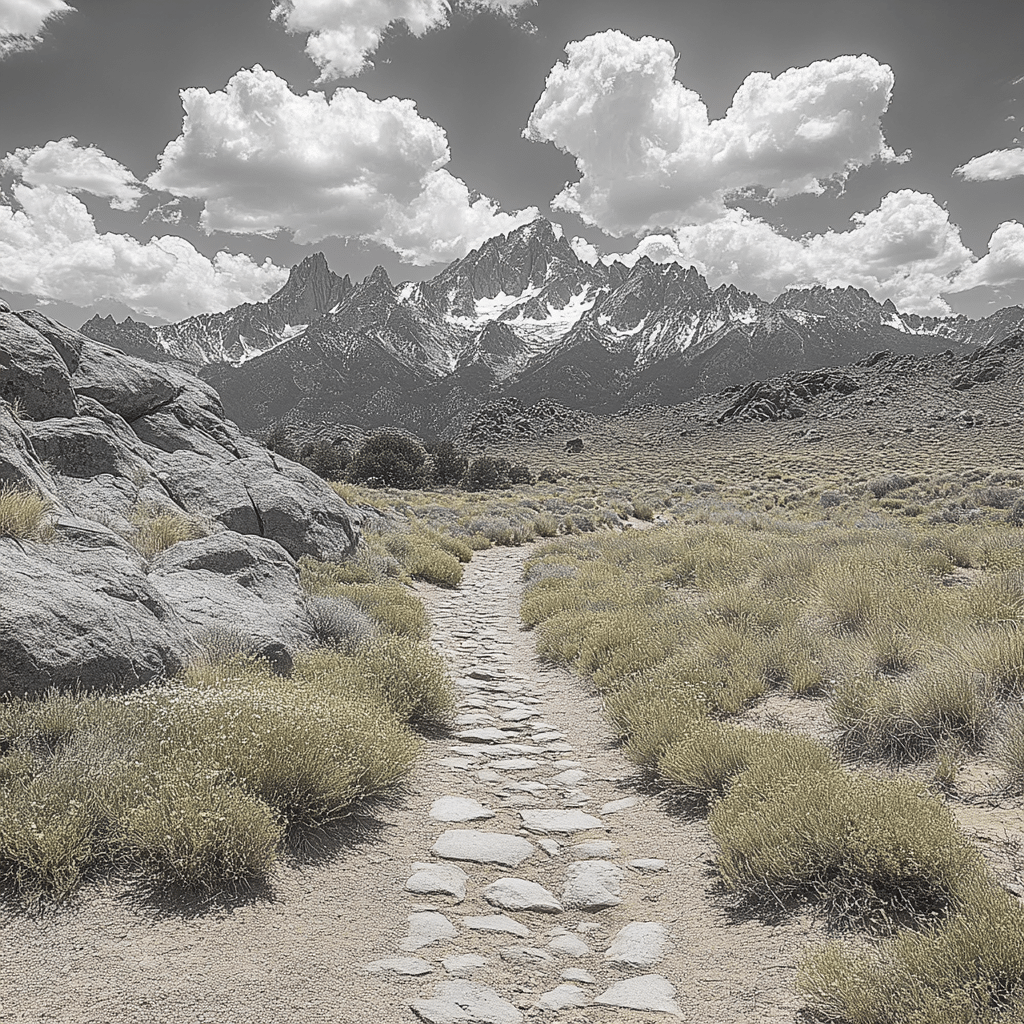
523,317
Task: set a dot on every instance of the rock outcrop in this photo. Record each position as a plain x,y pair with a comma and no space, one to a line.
109,440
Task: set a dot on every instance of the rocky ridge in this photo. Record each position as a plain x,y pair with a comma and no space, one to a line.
524,317
106,438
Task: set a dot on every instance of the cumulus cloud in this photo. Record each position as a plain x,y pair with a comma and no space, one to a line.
905,250
649,156
22,22
1002,264
998,165
262,158
50,248
342,34
77,169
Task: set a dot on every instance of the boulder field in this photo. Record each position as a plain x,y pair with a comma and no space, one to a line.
109,440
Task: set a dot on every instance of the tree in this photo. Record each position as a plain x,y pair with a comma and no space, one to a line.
390,458
327,460
280,441
449,463
488,474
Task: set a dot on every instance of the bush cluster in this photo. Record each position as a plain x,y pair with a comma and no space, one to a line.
682,627
393,459
202,781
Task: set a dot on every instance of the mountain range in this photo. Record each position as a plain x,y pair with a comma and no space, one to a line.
522,317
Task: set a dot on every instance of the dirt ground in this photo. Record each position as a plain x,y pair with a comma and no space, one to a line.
299,953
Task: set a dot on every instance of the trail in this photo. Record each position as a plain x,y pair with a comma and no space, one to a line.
610,904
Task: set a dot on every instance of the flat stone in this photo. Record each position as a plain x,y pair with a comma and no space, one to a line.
512,748
410,966
569,945
557,748
520,894
649,992
548,737
593,848
575,798
425,929
487,775
458,763
640,944
592,885
568,764
588,927
562,998
466,1002
549,846
481,673
483,847
572,777
474,718
526,787
497,923
514,764
620,805
544,821
488,735
580,975
464,965
519,715
459,808
526,955
438,878
648,865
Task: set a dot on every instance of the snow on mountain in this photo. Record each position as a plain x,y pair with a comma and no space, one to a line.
524,313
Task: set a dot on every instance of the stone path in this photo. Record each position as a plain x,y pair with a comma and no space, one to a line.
516,875
551,888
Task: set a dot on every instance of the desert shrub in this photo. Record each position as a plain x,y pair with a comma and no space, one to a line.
279,439
390,459
898,718
423,555
791,825
196,833
967,969
448,464
519,473
488,474
707,756
407,676
329,461
998,655
335,621
1008,749
390,605
158,529
497,529
546,525
643,511
1015,516
883,485
24,514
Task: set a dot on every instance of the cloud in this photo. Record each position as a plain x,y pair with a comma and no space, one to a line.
262,158
1002,264
342,33
51,248
22,22
77,169
998,165
649,156
905,250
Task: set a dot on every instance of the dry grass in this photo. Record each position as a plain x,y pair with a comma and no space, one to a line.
24,514
158,529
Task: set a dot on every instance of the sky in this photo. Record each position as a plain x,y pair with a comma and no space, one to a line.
163,158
